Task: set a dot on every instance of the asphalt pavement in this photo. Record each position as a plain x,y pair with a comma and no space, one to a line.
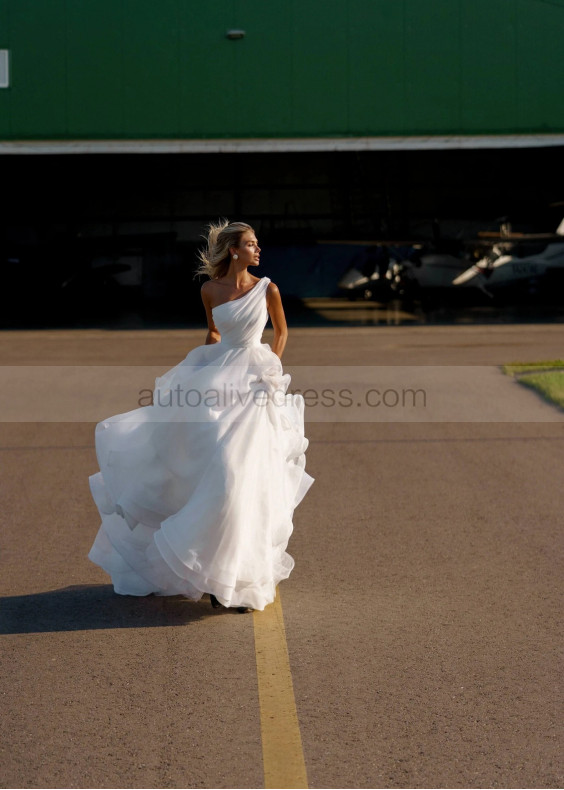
423,618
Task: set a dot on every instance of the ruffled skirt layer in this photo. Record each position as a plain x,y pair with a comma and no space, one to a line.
197,491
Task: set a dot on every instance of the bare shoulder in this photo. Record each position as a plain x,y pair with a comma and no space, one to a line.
272,289
207,290
206,287
274,300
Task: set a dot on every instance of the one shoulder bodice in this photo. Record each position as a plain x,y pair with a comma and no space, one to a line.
241,321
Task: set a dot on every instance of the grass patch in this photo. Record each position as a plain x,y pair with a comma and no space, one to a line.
549,385
546,378
520,368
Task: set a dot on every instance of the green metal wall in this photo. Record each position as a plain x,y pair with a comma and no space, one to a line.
164,69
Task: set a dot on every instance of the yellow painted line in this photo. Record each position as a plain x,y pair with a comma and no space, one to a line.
282,753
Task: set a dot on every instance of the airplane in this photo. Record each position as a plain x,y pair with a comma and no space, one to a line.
519,259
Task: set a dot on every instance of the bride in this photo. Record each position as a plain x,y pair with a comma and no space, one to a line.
196,492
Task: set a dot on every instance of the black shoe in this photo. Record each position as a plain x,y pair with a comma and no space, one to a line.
214,602
244,609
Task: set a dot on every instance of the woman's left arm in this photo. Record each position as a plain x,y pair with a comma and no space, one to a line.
276,313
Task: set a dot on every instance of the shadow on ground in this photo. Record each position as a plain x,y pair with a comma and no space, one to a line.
88,607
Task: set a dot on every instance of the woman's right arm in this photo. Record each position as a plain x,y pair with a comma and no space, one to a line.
213,335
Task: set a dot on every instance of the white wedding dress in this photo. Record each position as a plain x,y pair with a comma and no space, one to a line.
197,491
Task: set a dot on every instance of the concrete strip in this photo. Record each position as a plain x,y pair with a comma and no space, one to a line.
281,145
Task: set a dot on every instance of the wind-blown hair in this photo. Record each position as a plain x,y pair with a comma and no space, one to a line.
215,257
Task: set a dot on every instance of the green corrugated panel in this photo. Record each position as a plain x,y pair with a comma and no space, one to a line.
320,68
207,93
38,66
377,67
151,73
489,53
432,52
263,67
148,68
235,88
5,94
95,55
540,64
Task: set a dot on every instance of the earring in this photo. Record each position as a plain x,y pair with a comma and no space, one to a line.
235,257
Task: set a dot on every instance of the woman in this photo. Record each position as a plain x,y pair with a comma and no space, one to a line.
197,491
232,275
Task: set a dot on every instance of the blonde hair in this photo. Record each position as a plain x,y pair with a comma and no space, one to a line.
215,258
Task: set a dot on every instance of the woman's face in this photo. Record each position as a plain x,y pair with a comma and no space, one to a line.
248,249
